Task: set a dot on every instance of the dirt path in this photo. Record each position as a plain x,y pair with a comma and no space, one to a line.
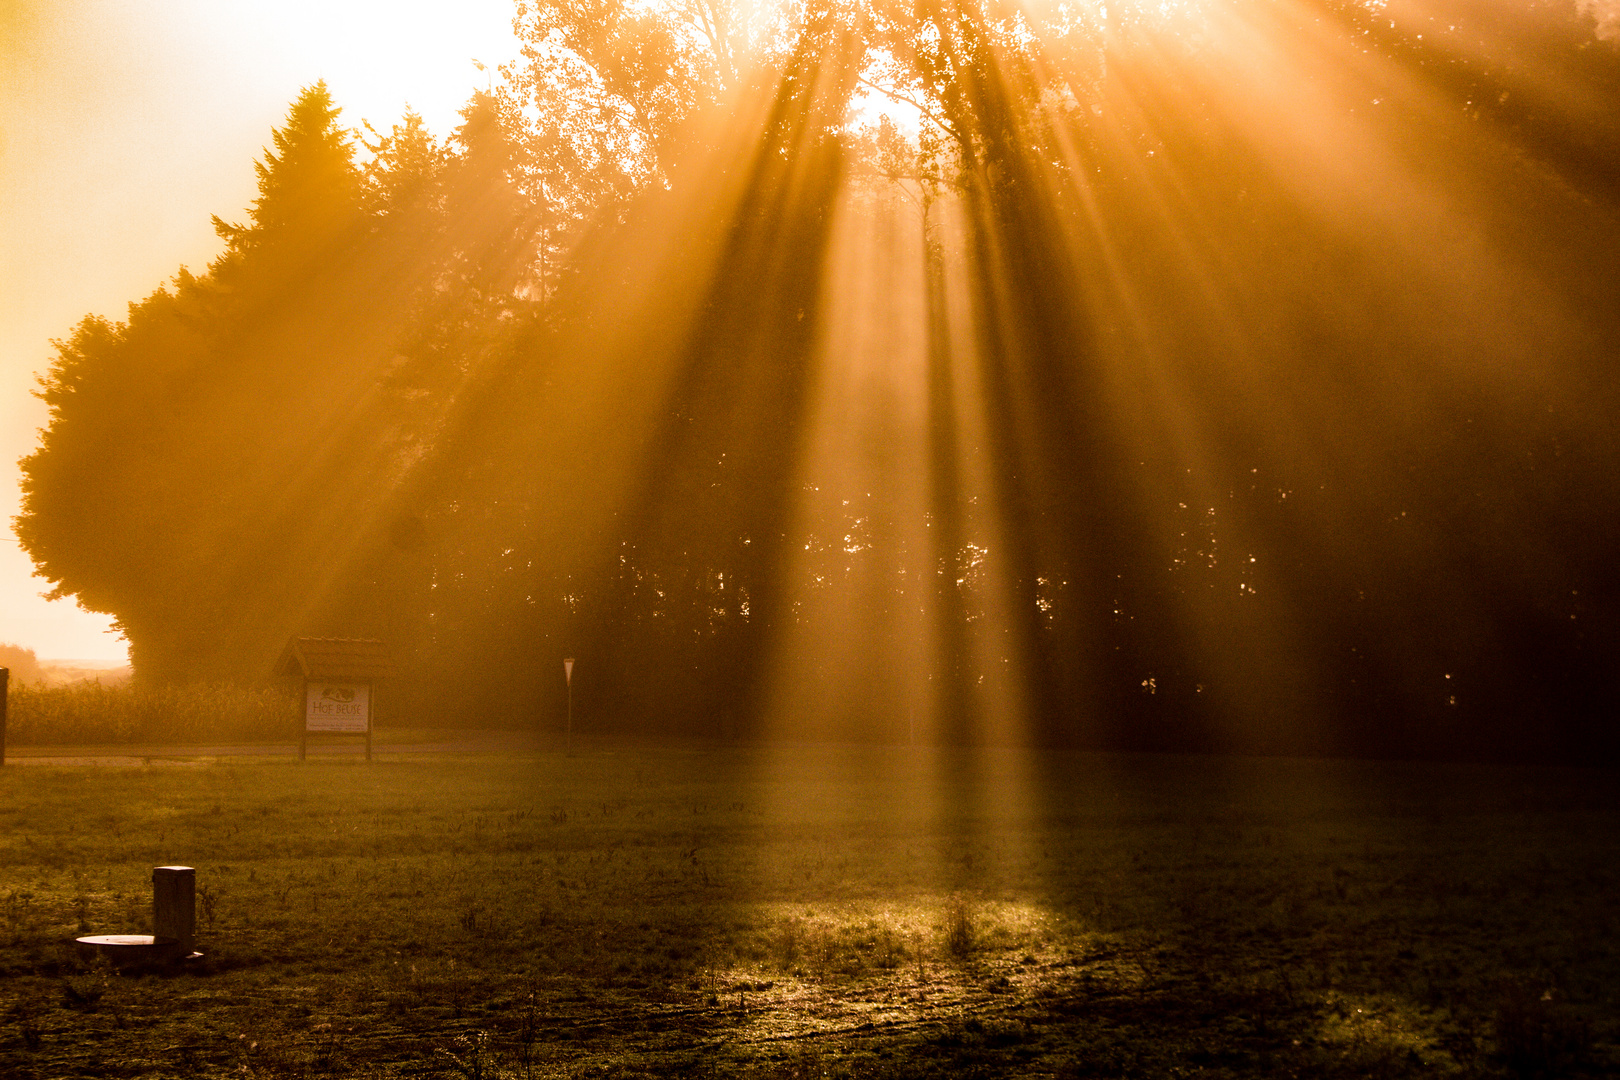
471,742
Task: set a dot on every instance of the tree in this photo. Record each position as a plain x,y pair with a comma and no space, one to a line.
22,663
159,492
546,391
310,190
406,171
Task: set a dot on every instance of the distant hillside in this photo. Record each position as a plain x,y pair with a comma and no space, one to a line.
59,672
28,668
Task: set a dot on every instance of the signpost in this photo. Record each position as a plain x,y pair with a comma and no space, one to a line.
568,677
5,677
342,708
340,677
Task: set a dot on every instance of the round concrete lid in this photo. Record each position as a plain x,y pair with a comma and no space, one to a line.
127,940
131,952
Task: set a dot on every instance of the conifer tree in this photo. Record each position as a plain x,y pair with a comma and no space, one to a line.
310,189
406,170
169,430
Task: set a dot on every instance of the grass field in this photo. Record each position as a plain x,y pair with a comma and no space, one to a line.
819,911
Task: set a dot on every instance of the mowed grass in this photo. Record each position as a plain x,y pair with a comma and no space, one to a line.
818,911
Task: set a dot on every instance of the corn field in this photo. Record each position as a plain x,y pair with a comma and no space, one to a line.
90,713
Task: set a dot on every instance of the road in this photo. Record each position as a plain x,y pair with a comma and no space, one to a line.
472,742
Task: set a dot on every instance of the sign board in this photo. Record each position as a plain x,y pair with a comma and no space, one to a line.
333,706
568,671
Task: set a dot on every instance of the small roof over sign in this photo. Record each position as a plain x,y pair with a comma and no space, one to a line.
336,658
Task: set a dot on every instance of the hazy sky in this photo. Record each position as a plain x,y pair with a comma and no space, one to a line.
123,125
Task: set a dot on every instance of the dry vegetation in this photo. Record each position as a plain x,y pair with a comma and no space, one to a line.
818,912
88,712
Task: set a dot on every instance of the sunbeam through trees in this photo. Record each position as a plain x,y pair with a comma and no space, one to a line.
1202,376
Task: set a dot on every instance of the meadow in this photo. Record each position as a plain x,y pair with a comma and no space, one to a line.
828,911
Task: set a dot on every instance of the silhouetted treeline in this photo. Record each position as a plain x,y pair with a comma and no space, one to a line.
1232,422
21,663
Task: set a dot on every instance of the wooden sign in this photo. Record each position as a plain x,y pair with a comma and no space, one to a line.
337,706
